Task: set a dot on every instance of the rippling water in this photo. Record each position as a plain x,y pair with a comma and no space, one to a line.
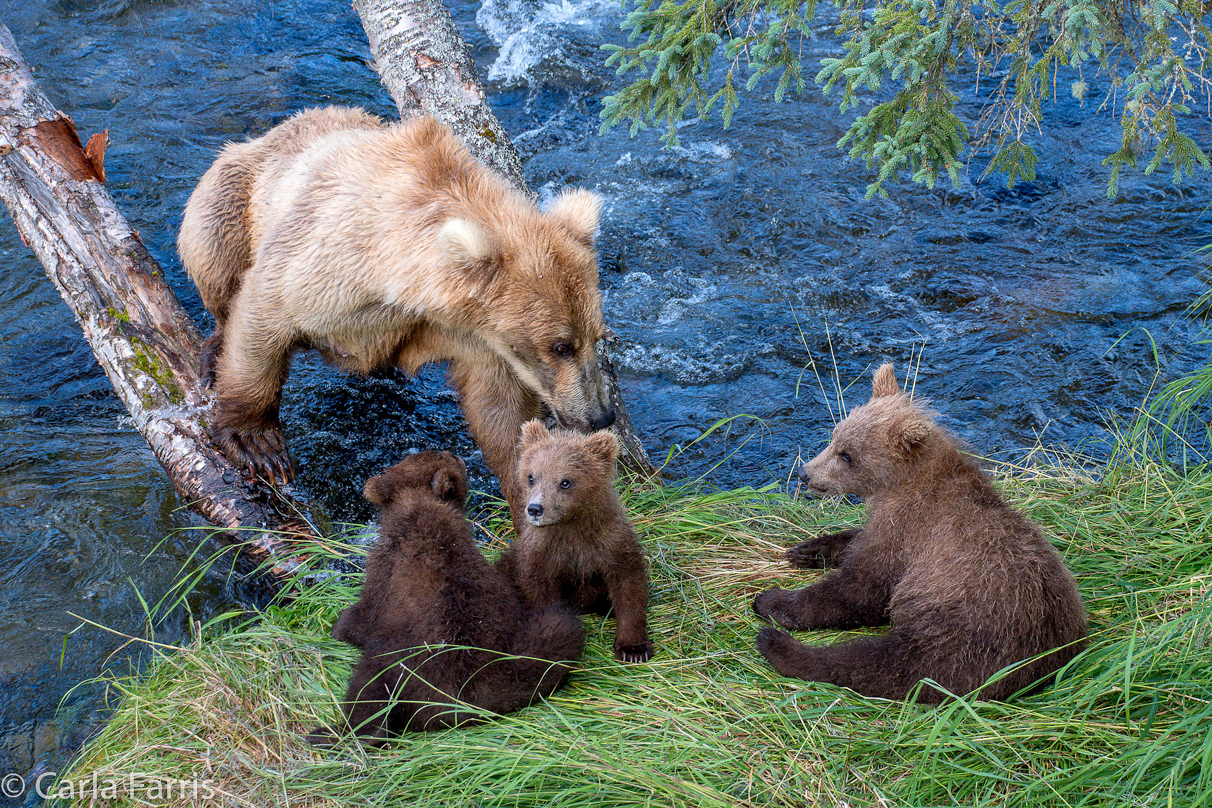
729,266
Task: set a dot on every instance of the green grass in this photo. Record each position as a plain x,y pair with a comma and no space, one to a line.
707,722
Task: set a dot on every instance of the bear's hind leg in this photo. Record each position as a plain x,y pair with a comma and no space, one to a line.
884,667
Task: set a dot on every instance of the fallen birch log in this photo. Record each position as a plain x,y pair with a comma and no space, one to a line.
143,339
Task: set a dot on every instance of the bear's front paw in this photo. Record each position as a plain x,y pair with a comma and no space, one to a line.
824,551
765,604
785,654
633,653
261,450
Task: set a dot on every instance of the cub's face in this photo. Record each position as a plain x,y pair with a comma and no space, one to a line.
539,284
441,475
852,463
873,447
564,472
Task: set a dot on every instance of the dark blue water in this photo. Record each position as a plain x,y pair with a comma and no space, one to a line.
730,266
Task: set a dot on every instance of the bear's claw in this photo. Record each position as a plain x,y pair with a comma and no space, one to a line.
259,450
633,653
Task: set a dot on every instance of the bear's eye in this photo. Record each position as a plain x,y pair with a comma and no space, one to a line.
845,456
530,479
565,483
562,349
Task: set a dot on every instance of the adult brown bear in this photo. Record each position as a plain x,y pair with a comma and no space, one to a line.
384,245
969,585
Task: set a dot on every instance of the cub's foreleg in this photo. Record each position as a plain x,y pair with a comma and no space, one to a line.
627,585
885,667
824,551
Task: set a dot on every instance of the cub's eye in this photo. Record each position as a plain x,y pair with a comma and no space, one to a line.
562,349
530,479
845,456
565,483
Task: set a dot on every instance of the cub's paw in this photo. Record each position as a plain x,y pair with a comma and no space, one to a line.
770,601
785,654
633,653
780,606
323,737
259,449
824,551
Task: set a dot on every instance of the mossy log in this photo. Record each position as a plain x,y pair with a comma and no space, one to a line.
148,346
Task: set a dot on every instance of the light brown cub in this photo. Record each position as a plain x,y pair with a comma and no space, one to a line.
969,585
576,544
385,245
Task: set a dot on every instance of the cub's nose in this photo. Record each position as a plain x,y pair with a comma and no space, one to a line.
602,421
805,477
534,509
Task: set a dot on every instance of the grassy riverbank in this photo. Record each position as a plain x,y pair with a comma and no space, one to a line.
707,722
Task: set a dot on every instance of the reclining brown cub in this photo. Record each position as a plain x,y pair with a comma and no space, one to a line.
968,585
442,632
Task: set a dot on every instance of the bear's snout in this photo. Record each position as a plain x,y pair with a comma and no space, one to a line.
534,510
602,421
805,475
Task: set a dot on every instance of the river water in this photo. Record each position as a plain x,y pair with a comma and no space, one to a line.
731,267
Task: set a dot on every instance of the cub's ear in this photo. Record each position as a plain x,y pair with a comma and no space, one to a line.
448,484
467,243
578,210
380,489
603,445
884,382
534,432
908,440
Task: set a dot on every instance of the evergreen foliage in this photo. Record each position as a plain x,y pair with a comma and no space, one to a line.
1155,53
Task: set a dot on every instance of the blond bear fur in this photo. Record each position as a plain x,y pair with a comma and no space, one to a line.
576,545
968,585
385,245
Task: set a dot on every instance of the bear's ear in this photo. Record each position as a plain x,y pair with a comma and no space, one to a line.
379,490
578,211
446,485
884,382
467,244
603,445
910,437
534,432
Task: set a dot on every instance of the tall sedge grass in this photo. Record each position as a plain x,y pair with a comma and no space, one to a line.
707,722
